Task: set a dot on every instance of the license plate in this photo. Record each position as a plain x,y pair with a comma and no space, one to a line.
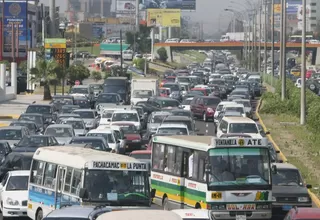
286,207
235,207
241,217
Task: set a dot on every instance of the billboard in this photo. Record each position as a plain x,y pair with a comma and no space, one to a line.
293,6
163,17
277,8
189,5
125,7
15,29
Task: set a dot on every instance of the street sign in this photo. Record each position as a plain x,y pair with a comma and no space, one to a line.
55,45
77,82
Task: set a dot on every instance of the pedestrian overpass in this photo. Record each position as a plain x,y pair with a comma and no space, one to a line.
236,45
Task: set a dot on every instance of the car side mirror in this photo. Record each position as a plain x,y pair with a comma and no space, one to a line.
309,186
15,144
274,169
83,193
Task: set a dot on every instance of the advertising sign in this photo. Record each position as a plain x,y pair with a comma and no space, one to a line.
299,12
277,8
168,4
97,31
164,17
293,6
15,27
55,43
56,48
125,7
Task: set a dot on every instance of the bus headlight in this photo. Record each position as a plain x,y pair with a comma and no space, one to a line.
12,202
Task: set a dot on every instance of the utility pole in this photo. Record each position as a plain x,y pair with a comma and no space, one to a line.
121,56
260,38
52,13
272,42
283,61
303,66
254,41
137,16
265,36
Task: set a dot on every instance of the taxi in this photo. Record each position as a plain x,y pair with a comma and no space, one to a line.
194,214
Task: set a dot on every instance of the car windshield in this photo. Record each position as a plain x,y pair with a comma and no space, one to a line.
96,144
183,80
117,185
287,177
141,156
129,129
217,82
169,103
16,183
196,92
188,123
30,126
115,89
107,114
59,132
182,113
107,136
142,93
75,90
10,134
234,109
186,102
39,109
85,114
171,79
244,103
125,117
68,109
107,98
66,218
35,119
174,131
75,124
239,167
37,141
173,87
82,103
211,101
250,128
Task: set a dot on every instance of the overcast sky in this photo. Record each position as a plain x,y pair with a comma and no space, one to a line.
210,12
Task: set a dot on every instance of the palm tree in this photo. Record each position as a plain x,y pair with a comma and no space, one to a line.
45,71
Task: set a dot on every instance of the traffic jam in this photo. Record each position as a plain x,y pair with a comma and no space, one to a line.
185,146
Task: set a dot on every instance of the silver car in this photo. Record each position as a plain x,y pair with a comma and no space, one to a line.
155,119
247,105
78,125
13,134
89,116
62,132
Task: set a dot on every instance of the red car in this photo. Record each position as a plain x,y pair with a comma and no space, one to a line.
204,107
303,214
132,135
165,92
141,154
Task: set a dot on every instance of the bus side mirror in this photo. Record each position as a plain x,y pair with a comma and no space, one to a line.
83,193
153,193
274,169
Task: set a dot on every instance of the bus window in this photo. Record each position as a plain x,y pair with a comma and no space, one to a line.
158,156
37,169
76,181
68,180
50,175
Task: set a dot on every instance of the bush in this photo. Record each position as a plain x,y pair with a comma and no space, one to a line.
162,52
272,104
139,63
96,75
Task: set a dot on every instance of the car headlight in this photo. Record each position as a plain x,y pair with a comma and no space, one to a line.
12,202
90,123
135,141
303,199
274,199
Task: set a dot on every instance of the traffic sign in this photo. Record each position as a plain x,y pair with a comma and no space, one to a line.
77,82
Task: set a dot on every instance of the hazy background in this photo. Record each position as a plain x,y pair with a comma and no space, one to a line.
210,12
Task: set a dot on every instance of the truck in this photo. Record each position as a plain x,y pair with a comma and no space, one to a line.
237,36
142,89
119,85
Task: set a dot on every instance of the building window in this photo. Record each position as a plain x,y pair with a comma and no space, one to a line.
313,4
313,18
313,11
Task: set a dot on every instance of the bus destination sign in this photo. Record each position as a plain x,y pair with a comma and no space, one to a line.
118,165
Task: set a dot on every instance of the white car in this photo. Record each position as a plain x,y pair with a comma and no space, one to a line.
14,194
173,129
186,103
298,83
108,134
127,116
220,107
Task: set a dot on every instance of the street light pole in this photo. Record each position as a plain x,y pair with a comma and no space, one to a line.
260,38
265,36
272,42
303,67
283,48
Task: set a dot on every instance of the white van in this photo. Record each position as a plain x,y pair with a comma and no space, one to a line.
236,125
127,54
220,107
193,214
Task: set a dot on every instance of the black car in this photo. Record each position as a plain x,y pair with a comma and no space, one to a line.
98,143
65,109
288,190
32,126
37,118
83,102
34,142
5,149
48,111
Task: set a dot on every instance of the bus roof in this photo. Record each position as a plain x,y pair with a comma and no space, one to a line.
85,157
201,143
140,214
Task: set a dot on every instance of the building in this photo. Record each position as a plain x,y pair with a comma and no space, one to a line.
314,14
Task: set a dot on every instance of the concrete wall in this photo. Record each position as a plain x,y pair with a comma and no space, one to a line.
169,53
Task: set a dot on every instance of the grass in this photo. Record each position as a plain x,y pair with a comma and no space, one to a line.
195,55
95,50
297,144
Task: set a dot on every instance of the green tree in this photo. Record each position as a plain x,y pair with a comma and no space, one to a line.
23,66
162,52
142,39
77,72
45,71
5,62
96,75
139,63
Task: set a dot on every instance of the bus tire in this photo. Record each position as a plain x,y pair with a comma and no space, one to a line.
198,206
165,203
39,215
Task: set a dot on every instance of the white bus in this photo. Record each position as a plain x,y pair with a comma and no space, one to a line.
229,176
81,176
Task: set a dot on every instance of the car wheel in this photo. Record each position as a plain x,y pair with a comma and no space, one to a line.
312,87
204,116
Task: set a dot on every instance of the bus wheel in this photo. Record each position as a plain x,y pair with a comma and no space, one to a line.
198,206
165,204
39,215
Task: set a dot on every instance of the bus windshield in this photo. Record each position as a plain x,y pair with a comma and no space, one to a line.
124,187
244,167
